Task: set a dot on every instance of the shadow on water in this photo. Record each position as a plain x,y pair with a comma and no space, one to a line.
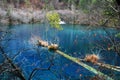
75,40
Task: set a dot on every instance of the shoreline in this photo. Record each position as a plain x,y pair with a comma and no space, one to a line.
16,16
24,16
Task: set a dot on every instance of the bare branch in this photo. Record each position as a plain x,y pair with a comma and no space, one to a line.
36,69
18,73
20,51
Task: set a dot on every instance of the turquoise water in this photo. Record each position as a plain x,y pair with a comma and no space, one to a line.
75,40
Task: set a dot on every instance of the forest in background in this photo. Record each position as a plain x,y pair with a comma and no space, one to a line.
87,12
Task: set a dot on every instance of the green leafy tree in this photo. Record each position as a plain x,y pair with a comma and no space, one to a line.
54,20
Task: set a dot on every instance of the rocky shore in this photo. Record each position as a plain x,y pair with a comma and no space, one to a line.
24,16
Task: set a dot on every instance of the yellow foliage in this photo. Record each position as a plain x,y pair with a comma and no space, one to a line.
54,20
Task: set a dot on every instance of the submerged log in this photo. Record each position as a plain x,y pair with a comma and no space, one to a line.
84,65
42,43
51,47
89,58
92,58
54,47
108,66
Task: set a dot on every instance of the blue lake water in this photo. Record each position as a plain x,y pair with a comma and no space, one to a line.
75,40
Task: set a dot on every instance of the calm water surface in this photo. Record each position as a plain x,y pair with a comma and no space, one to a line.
75,40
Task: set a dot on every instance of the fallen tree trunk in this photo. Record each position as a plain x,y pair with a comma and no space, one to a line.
84,65
76,60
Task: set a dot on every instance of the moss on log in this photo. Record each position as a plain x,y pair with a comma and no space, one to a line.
84,65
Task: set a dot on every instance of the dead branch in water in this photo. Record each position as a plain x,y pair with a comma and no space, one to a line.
89,58
8,65
36,69
76,60
17,71
108,66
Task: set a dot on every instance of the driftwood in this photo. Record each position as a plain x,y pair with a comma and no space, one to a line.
79,62
46,44
42,43
89,58
92,58
53,47
116,68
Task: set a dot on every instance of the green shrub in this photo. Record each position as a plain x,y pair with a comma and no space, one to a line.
54,20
